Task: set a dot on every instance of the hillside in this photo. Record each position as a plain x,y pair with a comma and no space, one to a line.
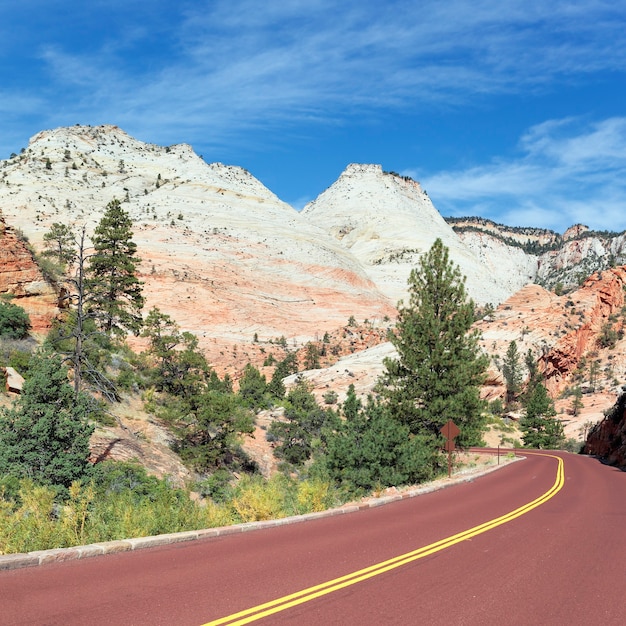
544,257
221,254
250,276
388,222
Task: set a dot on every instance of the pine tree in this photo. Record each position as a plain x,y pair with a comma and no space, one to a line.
511,372
540,428
213,433
440,368
577,401
302,431
178,366
60,243
253,387
113,289
76,337
45,435
369,450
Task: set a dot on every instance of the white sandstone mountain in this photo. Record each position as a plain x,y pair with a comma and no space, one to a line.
230,261
388,222
221,253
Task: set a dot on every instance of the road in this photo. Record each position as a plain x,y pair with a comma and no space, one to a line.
540,541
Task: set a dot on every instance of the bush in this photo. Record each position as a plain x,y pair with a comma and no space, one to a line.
14,321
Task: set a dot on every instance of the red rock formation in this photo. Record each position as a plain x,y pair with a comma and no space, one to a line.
601,296
607,440
21,278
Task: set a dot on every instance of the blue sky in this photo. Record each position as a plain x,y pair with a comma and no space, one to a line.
510,110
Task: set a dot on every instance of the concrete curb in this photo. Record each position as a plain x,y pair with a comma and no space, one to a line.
58,555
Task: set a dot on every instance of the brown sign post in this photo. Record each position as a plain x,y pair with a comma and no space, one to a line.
450,430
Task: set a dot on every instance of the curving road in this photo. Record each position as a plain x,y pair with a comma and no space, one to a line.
540,541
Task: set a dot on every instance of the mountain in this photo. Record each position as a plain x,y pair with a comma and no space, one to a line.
220,253
388,221
232,263
542,256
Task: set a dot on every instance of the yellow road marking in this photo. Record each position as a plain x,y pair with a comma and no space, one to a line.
280,604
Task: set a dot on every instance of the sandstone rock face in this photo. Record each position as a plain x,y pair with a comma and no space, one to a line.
514,268
607,440
541,256
22,280
388,222
232,263
560,330
221,253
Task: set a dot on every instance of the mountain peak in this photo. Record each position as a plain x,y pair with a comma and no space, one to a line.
388,221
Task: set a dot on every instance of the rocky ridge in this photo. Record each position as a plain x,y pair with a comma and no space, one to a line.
533,255
387,222
607,439
232,263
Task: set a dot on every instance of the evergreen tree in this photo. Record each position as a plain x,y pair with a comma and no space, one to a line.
211,434
45,435
369,450
311,357
252,388
512,373
302,431
113,289
351,405
60,244
14,321
439,369
577,400
179,367
534,376
540,428
286,367
76,336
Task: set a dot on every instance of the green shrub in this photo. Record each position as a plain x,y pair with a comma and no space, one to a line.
14,321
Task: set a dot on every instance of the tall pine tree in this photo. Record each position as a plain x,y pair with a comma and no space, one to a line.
114,291
540,427
511,370
440,368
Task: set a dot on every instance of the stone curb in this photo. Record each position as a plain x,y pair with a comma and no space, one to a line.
58,555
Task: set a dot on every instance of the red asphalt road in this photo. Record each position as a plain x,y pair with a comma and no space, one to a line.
561,563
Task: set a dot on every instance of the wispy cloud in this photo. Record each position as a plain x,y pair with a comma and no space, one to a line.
567,172
228,67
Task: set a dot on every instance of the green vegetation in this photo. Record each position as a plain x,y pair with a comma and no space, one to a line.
511,370
122,501
60,244
183,390
304,430
115,297
14,321
540,428
45,435
440,368
369,450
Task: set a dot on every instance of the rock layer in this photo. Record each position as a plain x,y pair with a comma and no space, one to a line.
607,440
21,280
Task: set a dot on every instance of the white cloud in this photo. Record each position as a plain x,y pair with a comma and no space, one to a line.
231,67
568,172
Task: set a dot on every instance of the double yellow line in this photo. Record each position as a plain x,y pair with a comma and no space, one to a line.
300,597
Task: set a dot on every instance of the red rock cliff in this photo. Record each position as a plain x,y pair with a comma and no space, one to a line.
21,278
607,439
